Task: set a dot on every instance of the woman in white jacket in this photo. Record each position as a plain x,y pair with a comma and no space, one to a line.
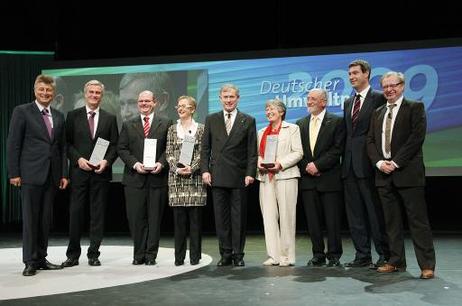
279,184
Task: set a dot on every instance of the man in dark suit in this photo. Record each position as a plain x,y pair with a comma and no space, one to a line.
363,209
394,144
146,189
323,137
36,153
228,165
89,183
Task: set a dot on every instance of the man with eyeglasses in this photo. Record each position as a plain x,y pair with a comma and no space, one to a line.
145,188
362,204
394,145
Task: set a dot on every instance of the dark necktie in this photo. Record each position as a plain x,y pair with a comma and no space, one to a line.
356,108
91,123
388,129
146,126
46,119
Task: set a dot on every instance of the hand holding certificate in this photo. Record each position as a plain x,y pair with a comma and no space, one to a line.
270,151
186,153
149,154
99,151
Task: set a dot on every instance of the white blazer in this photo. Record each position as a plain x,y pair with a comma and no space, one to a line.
289,152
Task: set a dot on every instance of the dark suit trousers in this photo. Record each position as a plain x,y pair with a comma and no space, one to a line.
95,192
413,200
37,204
181,216
145,207
328,204
365,216
230,208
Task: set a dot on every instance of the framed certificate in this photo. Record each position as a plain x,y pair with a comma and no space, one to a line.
149,153
186,153
270,151
99,151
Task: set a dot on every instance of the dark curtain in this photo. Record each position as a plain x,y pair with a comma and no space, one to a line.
18,71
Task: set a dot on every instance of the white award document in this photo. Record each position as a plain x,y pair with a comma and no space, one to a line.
186,153
99,151
270,151
149,153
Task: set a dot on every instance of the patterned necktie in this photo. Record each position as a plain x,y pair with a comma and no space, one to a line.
388,129
313,132
356,109
228,123
146,126
91,123
46,119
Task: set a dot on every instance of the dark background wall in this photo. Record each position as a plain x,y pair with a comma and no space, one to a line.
89,30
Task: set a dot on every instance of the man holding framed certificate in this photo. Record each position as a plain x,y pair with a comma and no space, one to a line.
280,149
142,148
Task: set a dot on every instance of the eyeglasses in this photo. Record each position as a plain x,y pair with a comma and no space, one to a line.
183,106
392,86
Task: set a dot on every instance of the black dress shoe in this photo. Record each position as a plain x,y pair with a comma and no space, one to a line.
179,262
46,265
238,262
333,262
137,262
150,262
70,263
194,262
358,263
29,270
380,263
224,262
316,262
94,262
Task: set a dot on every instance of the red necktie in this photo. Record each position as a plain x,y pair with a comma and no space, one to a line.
91,123
146,126
356,108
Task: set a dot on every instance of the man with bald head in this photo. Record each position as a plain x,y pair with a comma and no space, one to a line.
323,137
146,191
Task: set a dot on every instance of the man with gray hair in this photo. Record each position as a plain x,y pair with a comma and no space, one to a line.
323,138
89,182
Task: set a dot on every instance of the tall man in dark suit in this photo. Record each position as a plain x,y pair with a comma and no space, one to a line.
323,137
363,209
146,189
394,144
89,183
36,153
228,165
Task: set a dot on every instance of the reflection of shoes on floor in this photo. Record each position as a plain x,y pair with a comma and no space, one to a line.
270,262
427,274
388,268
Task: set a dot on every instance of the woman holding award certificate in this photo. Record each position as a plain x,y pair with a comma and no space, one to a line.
279,150
187,193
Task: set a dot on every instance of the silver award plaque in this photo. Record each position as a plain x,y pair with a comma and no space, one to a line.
99,151
270,151
186,153
149,153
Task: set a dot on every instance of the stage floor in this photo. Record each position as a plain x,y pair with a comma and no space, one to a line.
117,282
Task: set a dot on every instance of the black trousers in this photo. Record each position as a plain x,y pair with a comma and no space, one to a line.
37,204
412,199
95,192
230,209
327,206
145,207
365,217
188,218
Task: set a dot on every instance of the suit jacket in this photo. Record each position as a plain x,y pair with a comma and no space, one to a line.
355,155
131,148
229,158
80,143
31,154
406,144
327,153
289,151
